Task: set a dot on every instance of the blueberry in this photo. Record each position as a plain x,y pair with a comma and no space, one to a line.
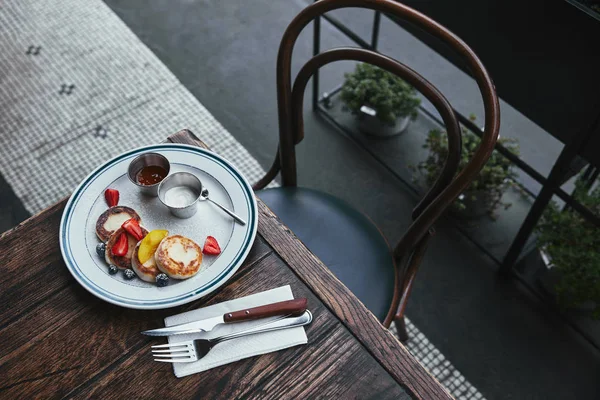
162,280
112,269
100,249
128,274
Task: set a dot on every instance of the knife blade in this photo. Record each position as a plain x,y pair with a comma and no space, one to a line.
282,308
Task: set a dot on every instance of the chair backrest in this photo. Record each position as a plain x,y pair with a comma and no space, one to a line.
448,186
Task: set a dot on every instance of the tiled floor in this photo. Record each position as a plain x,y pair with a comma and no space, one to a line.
121,97
443,370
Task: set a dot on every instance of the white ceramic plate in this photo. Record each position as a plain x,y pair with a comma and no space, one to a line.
227,186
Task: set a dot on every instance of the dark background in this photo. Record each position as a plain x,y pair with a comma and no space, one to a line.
544,57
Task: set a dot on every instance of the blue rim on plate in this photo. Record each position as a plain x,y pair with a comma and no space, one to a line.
78,268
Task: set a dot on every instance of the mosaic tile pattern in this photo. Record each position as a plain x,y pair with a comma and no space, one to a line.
438,365
78,87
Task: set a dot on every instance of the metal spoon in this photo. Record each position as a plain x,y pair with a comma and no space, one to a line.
204,196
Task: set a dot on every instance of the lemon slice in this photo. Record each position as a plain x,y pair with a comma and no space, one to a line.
150,244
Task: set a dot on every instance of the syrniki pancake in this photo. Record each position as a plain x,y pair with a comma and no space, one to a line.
122,262
112,219
146,271
178,257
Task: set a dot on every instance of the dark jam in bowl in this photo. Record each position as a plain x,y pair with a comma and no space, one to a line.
150,175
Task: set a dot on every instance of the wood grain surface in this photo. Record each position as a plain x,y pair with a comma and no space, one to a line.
60,341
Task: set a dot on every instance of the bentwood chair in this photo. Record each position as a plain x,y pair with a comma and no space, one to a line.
343,238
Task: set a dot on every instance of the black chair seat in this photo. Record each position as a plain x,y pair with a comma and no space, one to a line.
345,240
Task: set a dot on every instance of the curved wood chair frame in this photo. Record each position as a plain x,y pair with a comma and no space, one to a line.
410,250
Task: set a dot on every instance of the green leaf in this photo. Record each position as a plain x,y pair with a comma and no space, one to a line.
389,95
573,243
491,181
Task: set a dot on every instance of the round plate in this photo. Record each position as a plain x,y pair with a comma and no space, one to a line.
226,185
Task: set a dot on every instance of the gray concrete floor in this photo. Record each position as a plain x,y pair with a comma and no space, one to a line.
12,211
504,342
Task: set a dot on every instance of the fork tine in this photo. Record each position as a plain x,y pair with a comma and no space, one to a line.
182,355
175,360
162,346
170,351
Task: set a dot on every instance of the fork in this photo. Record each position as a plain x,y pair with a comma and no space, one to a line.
194,350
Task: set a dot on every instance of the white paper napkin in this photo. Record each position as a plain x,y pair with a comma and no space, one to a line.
240,348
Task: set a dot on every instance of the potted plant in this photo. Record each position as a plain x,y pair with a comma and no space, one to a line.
484,194
571,245
594,5
383,102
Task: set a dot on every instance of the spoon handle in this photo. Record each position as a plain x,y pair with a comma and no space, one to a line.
233,215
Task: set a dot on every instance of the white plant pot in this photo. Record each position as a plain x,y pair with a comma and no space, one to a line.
371,125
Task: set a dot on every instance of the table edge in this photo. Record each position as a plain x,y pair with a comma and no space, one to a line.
361,323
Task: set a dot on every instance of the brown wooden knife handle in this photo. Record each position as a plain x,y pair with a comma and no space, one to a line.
293,307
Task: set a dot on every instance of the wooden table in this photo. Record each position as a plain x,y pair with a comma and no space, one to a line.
57,340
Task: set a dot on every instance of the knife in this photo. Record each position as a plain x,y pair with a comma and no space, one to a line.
284,308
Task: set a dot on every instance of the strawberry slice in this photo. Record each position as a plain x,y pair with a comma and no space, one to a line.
121,245
112,197
133,228
211,247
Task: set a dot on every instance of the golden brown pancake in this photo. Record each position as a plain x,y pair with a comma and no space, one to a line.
122,262
146,271
112,219
178,257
